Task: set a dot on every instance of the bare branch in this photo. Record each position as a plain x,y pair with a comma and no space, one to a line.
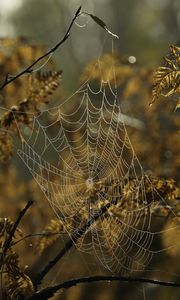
50,291
29,69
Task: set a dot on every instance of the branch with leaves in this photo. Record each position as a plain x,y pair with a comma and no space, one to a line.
167,78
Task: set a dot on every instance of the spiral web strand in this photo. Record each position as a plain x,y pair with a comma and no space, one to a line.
80,154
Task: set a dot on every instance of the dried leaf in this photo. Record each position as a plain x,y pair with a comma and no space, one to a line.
43,85
167,78
102,24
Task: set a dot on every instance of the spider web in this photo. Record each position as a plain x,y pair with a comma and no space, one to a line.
81,156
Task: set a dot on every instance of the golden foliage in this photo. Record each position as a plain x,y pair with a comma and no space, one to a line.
43,85
14,55
166,190
167,78
17,283
6,147
50,235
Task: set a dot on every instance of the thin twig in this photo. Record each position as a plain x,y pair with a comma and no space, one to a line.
29,69
50,291
78,233
10,237
44,234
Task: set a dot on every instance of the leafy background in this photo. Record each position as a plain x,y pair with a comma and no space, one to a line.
146,28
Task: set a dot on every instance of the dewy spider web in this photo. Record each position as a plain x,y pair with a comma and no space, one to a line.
80,154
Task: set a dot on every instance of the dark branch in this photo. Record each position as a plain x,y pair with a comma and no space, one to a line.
50,291
29,69
74,238
10,237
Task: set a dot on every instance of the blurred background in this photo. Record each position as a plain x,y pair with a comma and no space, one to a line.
145,29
